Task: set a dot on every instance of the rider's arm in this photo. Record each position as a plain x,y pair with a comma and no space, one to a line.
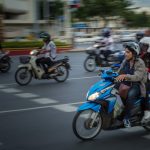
139,72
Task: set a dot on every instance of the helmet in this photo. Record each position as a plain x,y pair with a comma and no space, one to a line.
45,37
133,47
106,32
139,35
145,42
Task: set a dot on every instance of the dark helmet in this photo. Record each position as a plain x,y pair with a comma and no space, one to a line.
45,36
133,47
106,32
139,35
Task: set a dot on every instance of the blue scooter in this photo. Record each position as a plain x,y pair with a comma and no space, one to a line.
104,109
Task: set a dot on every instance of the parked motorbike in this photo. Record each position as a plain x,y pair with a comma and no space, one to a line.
104,110
96,57
5,60
28,69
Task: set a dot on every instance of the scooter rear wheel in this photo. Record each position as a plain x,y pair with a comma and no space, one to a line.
84,127
62,74
5,66
147,127
90,64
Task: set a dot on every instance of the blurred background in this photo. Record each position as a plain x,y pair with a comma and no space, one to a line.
72,20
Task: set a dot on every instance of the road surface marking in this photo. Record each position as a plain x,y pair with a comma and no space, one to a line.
2,86
83,78
78,78
44,101
133,129
10,90
9,84
147,137
65,108
36,108
27,95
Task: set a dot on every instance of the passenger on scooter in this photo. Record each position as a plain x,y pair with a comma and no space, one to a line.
107,42
47,53
133,74
145,55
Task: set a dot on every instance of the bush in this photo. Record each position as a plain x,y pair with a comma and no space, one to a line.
25,44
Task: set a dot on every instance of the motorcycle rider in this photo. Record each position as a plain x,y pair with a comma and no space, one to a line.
145,55
139,36
48,52
132,73
107,42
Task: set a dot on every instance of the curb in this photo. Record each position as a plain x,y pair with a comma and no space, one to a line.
22,51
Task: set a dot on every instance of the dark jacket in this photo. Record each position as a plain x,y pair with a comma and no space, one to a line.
140,74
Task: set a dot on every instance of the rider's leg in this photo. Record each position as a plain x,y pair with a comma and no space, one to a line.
146,116
133,94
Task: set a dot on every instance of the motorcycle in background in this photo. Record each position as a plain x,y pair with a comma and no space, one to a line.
28,69
5,60
96,57
104,109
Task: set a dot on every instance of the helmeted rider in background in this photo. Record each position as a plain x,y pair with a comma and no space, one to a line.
139,36
145,55
47,53
107,42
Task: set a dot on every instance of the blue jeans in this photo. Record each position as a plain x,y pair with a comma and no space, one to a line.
132,97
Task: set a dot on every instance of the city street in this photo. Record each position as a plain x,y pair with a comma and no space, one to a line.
39,116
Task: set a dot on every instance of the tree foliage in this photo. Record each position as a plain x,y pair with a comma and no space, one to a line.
102,8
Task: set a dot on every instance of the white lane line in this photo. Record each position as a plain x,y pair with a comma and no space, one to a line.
65,108
83,78
133,129
2,86
34,108
10,90
147,137
44,101
9,84
79,78
27,95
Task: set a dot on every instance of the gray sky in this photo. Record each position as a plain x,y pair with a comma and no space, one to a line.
142,3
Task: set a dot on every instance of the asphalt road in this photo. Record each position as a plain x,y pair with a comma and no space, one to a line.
39,116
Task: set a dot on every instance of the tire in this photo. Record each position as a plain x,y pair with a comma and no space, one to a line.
147,127
21,74
90,64
6,67
63,73
84,117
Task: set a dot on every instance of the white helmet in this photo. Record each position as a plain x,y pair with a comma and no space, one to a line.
146,41
133,46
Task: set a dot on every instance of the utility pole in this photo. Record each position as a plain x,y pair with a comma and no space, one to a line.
1,24
67,16
36,17
46,12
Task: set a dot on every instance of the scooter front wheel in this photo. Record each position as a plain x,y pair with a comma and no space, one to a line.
23,76
87,124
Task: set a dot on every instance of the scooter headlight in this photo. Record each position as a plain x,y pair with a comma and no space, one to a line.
93,96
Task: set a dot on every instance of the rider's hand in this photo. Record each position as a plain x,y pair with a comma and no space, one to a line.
121,77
